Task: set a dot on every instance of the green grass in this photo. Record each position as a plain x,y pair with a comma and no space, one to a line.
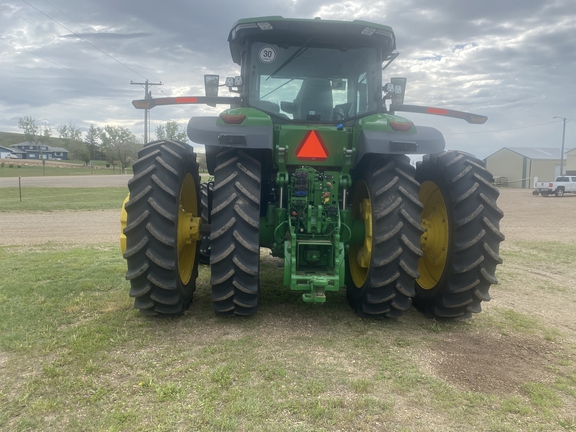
70,338
75,355
51,199
545,253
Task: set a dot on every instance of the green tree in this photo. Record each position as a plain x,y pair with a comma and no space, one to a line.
171,131
29,127
43,140
72,138
120,145
91,141
69,132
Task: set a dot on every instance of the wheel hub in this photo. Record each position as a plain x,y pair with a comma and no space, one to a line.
188,229
365,252
434,240
359,256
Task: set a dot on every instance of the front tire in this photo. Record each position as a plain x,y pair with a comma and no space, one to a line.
380,272
235,237
164,203
462,236
559,192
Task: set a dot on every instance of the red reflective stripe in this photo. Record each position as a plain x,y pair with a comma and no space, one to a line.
439,111
312,148
185,100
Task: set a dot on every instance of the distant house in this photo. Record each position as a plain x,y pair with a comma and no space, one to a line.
4,151
521,165
28,150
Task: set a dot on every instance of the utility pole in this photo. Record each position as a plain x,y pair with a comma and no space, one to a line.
147,95
564,119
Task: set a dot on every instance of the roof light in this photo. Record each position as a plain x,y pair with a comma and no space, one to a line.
401,126
232,119
369,31
265,26
242,27
312,148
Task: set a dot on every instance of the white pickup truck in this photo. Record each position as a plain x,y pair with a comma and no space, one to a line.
562,185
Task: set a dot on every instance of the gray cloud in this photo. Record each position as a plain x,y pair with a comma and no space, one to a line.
514,61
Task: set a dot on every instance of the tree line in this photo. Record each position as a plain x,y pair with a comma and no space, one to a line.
114,144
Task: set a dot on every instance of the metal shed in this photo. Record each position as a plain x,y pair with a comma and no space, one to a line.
521,165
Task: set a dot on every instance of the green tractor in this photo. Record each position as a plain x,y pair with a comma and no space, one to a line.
311,162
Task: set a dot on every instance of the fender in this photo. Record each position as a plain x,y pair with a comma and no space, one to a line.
425,141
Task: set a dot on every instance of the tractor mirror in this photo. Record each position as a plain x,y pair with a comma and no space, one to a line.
287,107
211,83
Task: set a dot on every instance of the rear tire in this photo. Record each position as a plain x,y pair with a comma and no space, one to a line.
559,192
380,273
162,266
462,237
235,254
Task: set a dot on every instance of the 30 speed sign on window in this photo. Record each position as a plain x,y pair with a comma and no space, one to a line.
267,54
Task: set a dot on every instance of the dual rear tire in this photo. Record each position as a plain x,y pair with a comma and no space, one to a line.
431,234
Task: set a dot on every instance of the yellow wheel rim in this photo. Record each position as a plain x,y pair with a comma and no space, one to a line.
188,229
123,221
359,255
434,241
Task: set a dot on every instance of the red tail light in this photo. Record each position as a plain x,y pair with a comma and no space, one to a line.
401,126
232,119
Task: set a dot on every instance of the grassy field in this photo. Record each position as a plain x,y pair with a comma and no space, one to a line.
75,356
51,199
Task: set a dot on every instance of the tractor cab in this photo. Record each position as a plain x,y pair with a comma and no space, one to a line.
311,70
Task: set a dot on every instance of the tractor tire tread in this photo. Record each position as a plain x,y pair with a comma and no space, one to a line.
476,236
151,228
234,241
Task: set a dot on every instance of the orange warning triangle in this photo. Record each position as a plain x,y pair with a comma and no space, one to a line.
312,148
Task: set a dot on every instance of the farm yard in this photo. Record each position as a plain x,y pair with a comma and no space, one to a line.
74,355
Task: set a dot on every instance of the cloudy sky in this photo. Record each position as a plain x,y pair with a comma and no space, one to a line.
72,61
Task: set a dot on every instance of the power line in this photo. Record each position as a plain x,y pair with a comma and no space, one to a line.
95,35
57,64
88,42
147,95
81,52
94,46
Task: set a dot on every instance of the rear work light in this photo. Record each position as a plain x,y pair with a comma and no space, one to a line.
232,119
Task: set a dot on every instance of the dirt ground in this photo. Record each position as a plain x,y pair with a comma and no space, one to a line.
488,361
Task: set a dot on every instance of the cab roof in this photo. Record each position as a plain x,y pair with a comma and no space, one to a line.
276,29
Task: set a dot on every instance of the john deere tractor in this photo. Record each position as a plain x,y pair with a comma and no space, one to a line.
311,162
